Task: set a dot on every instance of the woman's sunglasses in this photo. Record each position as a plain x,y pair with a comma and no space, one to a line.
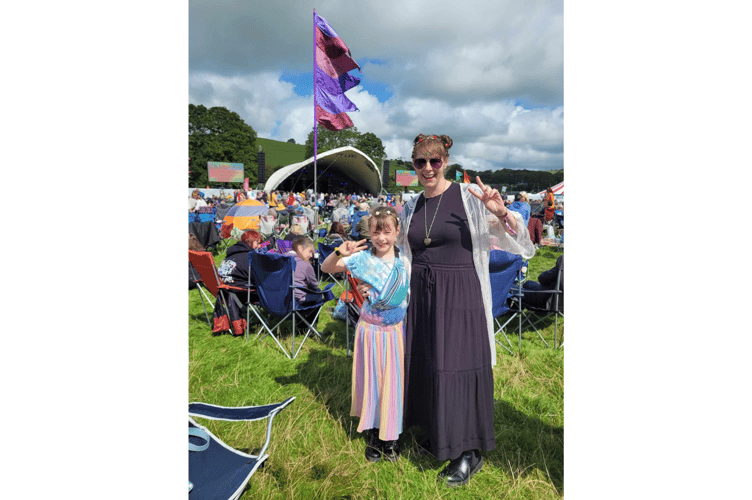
419,163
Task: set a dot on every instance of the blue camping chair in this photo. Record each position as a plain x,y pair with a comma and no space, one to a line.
215,470
273,275
205,218
538,303
324,252
504,268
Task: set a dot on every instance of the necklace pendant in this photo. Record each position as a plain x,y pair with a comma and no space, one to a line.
427,241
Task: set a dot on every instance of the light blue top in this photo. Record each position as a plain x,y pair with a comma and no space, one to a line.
373,270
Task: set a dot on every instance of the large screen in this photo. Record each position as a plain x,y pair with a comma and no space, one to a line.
406,178
220,171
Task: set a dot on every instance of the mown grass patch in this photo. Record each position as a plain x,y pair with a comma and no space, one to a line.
316,451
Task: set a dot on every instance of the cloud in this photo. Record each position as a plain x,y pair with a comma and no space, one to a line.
489,74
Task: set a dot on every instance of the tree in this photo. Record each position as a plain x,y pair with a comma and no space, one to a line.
291,141
218,134
372,146
331,139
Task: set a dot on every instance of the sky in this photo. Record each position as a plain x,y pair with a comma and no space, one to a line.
487,74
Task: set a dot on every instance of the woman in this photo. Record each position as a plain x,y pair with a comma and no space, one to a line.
449,340
337,234
548,203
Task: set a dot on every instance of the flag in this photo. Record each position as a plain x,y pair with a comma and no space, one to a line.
466,180
331,80
458,176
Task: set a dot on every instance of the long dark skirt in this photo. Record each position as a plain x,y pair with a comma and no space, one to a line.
449,381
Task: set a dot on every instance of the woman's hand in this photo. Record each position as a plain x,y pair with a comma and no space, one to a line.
491,199
348,248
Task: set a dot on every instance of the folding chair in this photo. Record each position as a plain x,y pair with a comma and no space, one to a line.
353,300
284,246
267,225
205,218
273,276
504,268
324,252
553,305
195,278
204,264
215,470
302,221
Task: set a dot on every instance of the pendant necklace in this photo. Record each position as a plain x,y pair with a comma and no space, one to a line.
427,240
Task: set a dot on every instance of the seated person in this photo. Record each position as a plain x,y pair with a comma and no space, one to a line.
235,270
295,232
337,234
362,212
362,227
305,276
537,294
521,205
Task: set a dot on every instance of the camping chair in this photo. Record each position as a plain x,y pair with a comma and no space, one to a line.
206,232
195,279
353,300
215,470
302,221
554,306
273,275
267,225
204,264
504,268
206,218
284,246
324,252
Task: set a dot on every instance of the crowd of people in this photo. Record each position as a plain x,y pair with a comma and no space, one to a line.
424,270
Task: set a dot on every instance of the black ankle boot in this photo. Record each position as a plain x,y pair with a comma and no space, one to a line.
373,445
391,450
461,469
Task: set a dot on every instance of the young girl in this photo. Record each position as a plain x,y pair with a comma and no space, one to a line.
378,361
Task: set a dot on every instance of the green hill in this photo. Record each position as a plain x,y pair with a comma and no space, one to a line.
279,154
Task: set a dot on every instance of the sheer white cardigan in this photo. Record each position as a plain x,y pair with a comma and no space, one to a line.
484,226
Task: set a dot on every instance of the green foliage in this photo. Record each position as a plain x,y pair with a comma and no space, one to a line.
316,450
218,134
516,180
372,146
327,140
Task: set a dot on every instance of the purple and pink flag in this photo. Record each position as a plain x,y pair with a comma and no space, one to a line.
331,80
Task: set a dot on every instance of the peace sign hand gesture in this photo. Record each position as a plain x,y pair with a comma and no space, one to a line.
350,247
491,199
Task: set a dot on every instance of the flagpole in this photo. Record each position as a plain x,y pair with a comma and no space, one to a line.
315,121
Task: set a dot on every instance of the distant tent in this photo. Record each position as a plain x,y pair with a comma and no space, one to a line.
245,215
557,189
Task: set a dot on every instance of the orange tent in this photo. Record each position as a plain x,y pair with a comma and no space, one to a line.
245,215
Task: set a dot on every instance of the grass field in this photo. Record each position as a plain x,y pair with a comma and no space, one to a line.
280,154
315,450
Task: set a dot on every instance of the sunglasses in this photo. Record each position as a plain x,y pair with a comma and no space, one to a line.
419,163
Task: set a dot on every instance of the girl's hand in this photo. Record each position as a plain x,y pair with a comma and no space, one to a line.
363,289
491,199
350,247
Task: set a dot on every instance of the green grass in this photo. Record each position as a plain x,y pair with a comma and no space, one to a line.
280,154
316,451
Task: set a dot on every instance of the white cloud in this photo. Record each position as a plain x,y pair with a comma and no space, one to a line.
489,74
